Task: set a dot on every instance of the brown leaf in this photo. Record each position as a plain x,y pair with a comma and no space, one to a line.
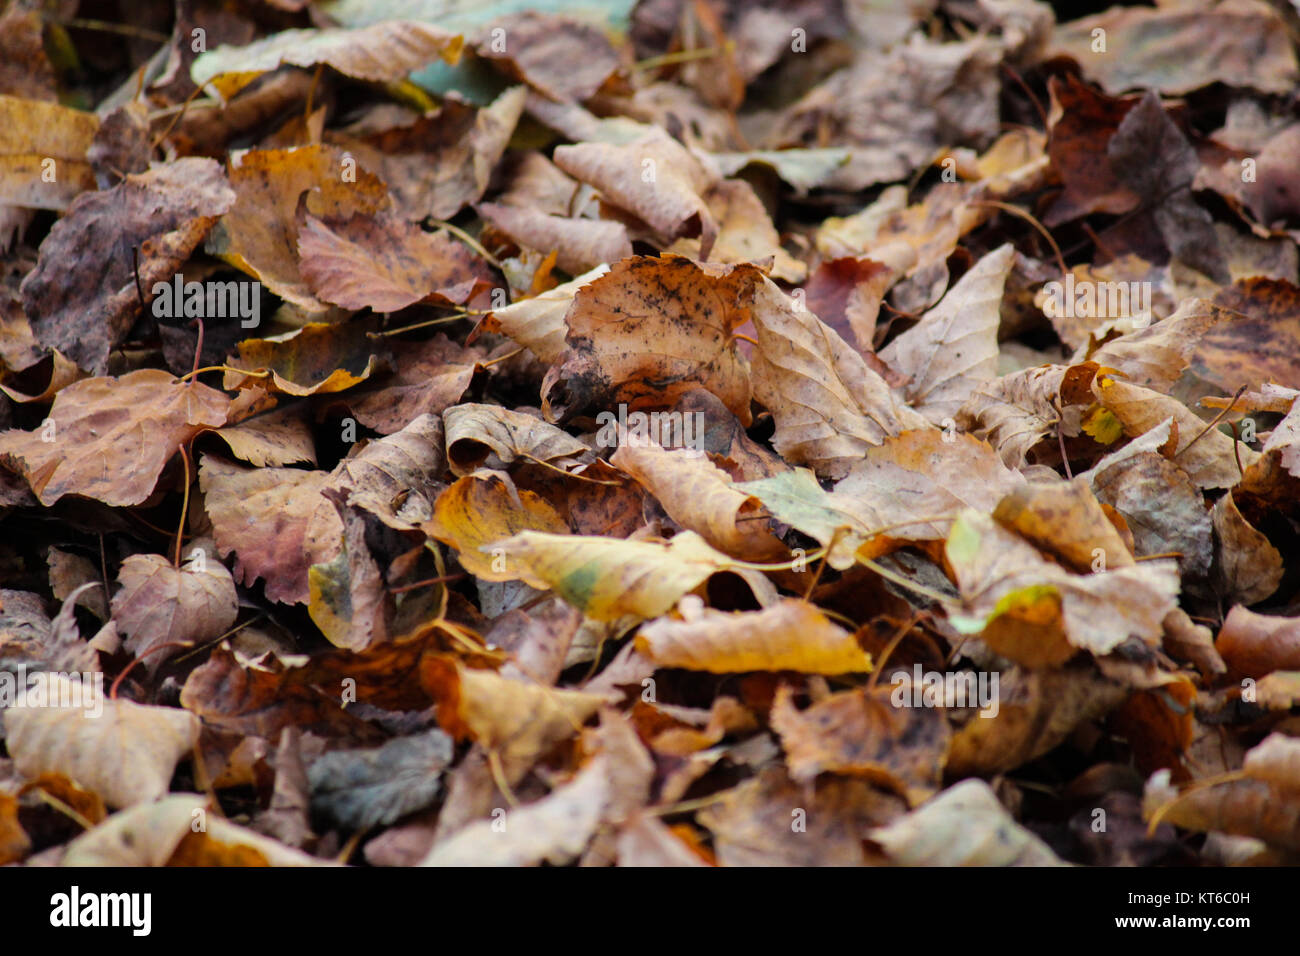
109,438
654,177
700,497
1037,709
475,516
125,752
1248,568
39,139
1177,50
160,604
316,359
274,520
1258,644
427,378
495,437
517,720
954,348
963,826
580,244
259,234
382,52
1021,600
790,635
384,263
538,323
862,733
162,215
560,57
442,161
649,330
829,407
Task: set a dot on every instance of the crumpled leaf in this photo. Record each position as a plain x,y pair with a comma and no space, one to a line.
126,752
653,177
700,497
259,233
1036,612
829,407
518,720
862,733
82,297
494,436
902,489
475,516
648,331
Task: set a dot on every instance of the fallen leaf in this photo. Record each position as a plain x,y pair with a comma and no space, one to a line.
790,635
160,604
159,217
126,752
112,436
963,826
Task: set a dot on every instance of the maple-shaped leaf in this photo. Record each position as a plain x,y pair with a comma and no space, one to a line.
109,438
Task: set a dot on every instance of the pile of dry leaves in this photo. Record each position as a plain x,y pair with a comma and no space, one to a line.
685,432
